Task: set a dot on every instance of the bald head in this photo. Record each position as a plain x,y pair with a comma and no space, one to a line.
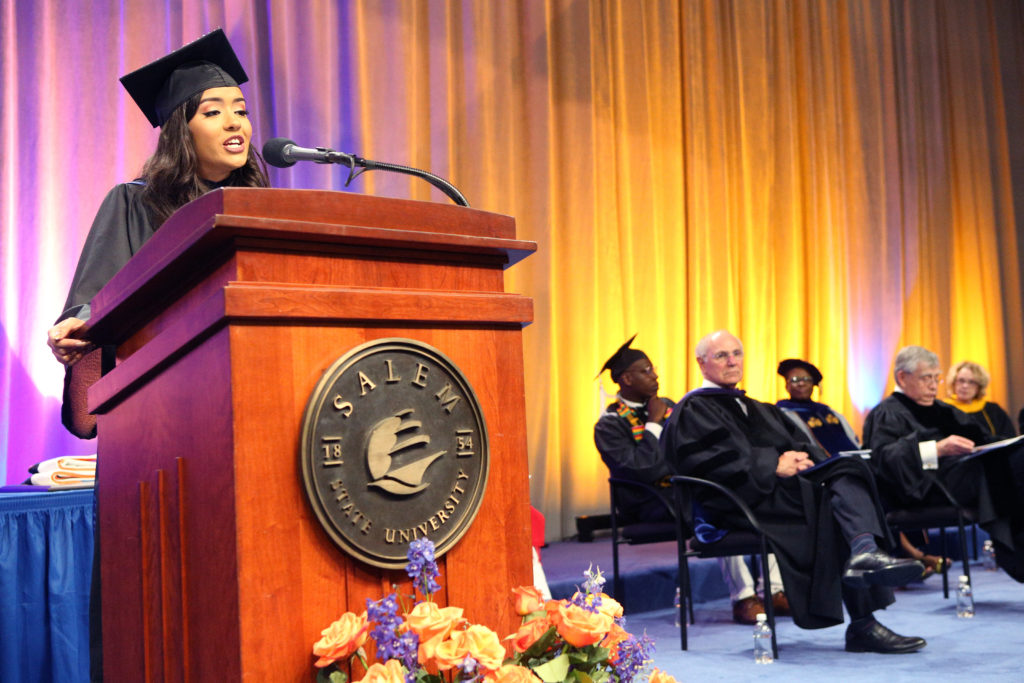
720,357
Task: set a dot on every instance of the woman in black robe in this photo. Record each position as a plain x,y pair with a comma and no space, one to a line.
193,95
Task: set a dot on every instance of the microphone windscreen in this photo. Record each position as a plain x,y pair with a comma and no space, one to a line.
273,152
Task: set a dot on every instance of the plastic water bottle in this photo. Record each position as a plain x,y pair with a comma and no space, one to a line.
762,640
964,599
677,604
988,555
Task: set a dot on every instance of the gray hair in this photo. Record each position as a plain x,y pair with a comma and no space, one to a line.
702,346
909,358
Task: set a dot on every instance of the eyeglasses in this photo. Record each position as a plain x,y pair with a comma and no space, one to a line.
965,380
722,355
929,379
800,380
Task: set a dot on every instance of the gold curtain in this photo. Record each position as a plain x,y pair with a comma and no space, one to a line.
829,180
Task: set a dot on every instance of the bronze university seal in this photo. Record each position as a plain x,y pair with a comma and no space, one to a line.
394,448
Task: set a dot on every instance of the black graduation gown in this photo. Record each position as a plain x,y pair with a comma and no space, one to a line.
994,420
628,458
823,422
893,431
121,226
709,436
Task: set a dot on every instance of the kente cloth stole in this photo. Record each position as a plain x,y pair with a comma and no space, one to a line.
636,424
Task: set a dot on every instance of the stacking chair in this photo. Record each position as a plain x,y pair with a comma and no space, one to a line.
924,517
634,532
750,541
737,542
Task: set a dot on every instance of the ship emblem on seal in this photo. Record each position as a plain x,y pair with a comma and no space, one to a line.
395,460
393,448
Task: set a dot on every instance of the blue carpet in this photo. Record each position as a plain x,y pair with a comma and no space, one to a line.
986,648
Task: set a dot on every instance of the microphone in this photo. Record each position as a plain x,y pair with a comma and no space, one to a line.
282,152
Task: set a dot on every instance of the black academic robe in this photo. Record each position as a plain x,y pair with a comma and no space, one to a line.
709,436
990,483
634,459
826,424
993,420
121,226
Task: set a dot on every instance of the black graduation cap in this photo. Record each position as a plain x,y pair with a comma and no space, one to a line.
790,363
161,86
622,359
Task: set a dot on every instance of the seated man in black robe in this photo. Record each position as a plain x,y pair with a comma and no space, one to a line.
824,523
914,437
626,436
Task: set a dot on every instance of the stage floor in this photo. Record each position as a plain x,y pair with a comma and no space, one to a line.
986,648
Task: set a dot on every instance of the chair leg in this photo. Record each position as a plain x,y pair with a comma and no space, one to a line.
945,566
616,579
685,598
963,547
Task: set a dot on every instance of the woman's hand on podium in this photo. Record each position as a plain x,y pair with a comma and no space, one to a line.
63,340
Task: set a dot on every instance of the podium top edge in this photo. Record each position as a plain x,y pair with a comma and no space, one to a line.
331,206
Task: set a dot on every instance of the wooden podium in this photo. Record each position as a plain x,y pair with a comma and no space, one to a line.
214,566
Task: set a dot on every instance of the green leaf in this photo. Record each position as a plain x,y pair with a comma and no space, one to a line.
582,677
553,671
542,645
423,677
330,674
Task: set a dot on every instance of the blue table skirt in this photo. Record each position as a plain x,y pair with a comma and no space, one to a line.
46,547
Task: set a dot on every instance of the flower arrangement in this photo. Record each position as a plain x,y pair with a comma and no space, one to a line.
580,640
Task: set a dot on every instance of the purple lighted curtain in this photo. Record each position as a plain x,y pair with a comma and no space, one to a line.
70,133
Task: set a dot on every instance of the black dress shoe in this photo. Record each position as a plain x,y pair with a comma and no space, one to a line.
880,569
877,638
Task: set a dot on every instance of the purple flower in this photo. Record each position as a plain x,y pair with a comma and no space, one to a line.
635,656
470,669
589,597
422,568
390,645
595,580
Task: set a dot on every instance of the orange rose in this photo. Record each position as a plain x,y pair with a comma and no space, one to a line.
611,641
527,599
390,671
511,673
484,646
428,621
609,606
478,642
341,639
659,676
580,627
427,653
529,633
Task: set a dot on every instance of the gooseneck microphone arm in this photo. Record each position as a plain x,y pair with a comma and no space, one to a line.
282,153
440,183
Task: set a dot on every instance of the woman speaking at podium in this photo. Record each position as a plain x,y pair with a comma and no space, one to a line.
192,94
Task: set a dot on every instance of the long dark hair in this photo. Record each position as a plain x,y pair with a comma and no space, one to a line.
172,173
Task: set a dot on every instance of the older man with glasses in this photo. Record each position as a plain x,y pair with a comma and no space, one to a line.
821,515
915,437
